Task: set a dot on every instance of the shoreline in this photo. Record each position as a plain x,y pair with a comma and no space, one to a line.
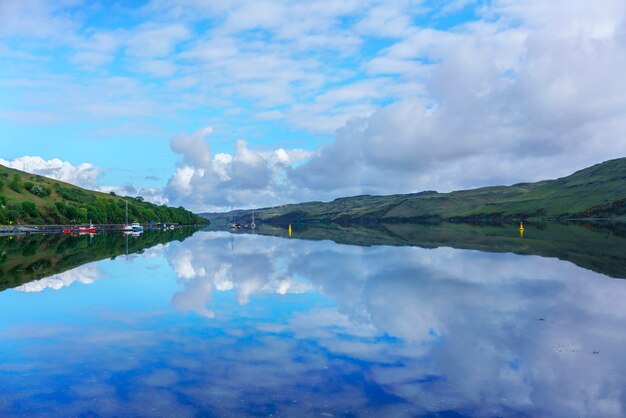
43,229
34,229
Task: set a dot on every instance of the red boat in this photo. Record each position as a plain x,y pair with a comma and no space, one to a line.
67,231
87,229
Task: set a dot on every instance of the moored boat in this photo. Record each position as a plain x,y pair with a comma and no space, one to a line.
127,227
91,229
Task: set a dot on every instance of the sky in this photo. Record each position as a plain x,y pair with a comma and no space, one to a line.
213,104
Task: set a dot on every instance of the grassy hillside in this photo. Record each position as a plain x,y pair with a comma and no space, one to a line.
598,191
31,199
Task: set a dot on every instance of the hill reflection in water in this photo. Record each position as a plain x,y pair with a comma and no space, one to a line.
597,246
24,258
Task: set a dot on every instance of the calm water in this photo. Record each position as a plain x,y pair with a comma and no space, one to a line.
252,325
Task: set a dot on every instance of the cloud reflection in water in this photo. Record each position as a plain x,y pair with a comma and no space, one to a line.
468,330
85,274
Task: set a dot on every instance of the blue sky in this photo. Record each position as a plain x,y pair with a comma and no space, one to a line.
254,103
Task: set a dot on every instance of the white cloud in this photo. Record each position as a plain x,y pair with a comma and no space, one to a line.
37,19
149,41
206,181
157,68
97,49
83,175
504,104
528,90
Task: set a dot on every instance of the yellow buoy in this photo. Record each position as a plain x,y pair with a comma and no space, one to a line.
521,230
289,230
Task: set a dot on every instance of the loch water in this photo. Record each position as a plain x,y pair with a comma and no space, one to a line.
389,321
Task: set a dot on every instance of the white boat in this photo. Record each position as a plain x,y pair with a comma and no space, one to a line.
172,227
127,227
136,226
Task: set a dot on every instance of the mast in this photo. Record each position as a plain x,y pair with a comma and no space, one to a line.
126,213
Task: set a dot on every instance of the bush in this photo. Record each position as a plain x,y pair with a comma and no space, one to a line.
30,209
14,211
4,211
16,184
37,190
73,194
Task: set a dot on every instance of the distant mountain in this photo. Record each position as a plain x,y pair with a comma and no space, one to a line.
595,192
31,199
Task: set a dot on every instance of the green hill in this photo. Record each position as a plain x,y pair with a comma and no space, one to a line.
595,192
31,199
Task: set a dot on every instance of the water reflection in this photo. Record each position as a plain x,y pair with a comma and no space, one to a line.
592,245
25,258
264,325
441,328
85,274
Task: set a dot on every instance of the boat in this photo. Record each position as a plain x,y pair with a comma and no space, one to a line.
136,226
87,229
172,227
127,227
67,231
253,225
232,224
